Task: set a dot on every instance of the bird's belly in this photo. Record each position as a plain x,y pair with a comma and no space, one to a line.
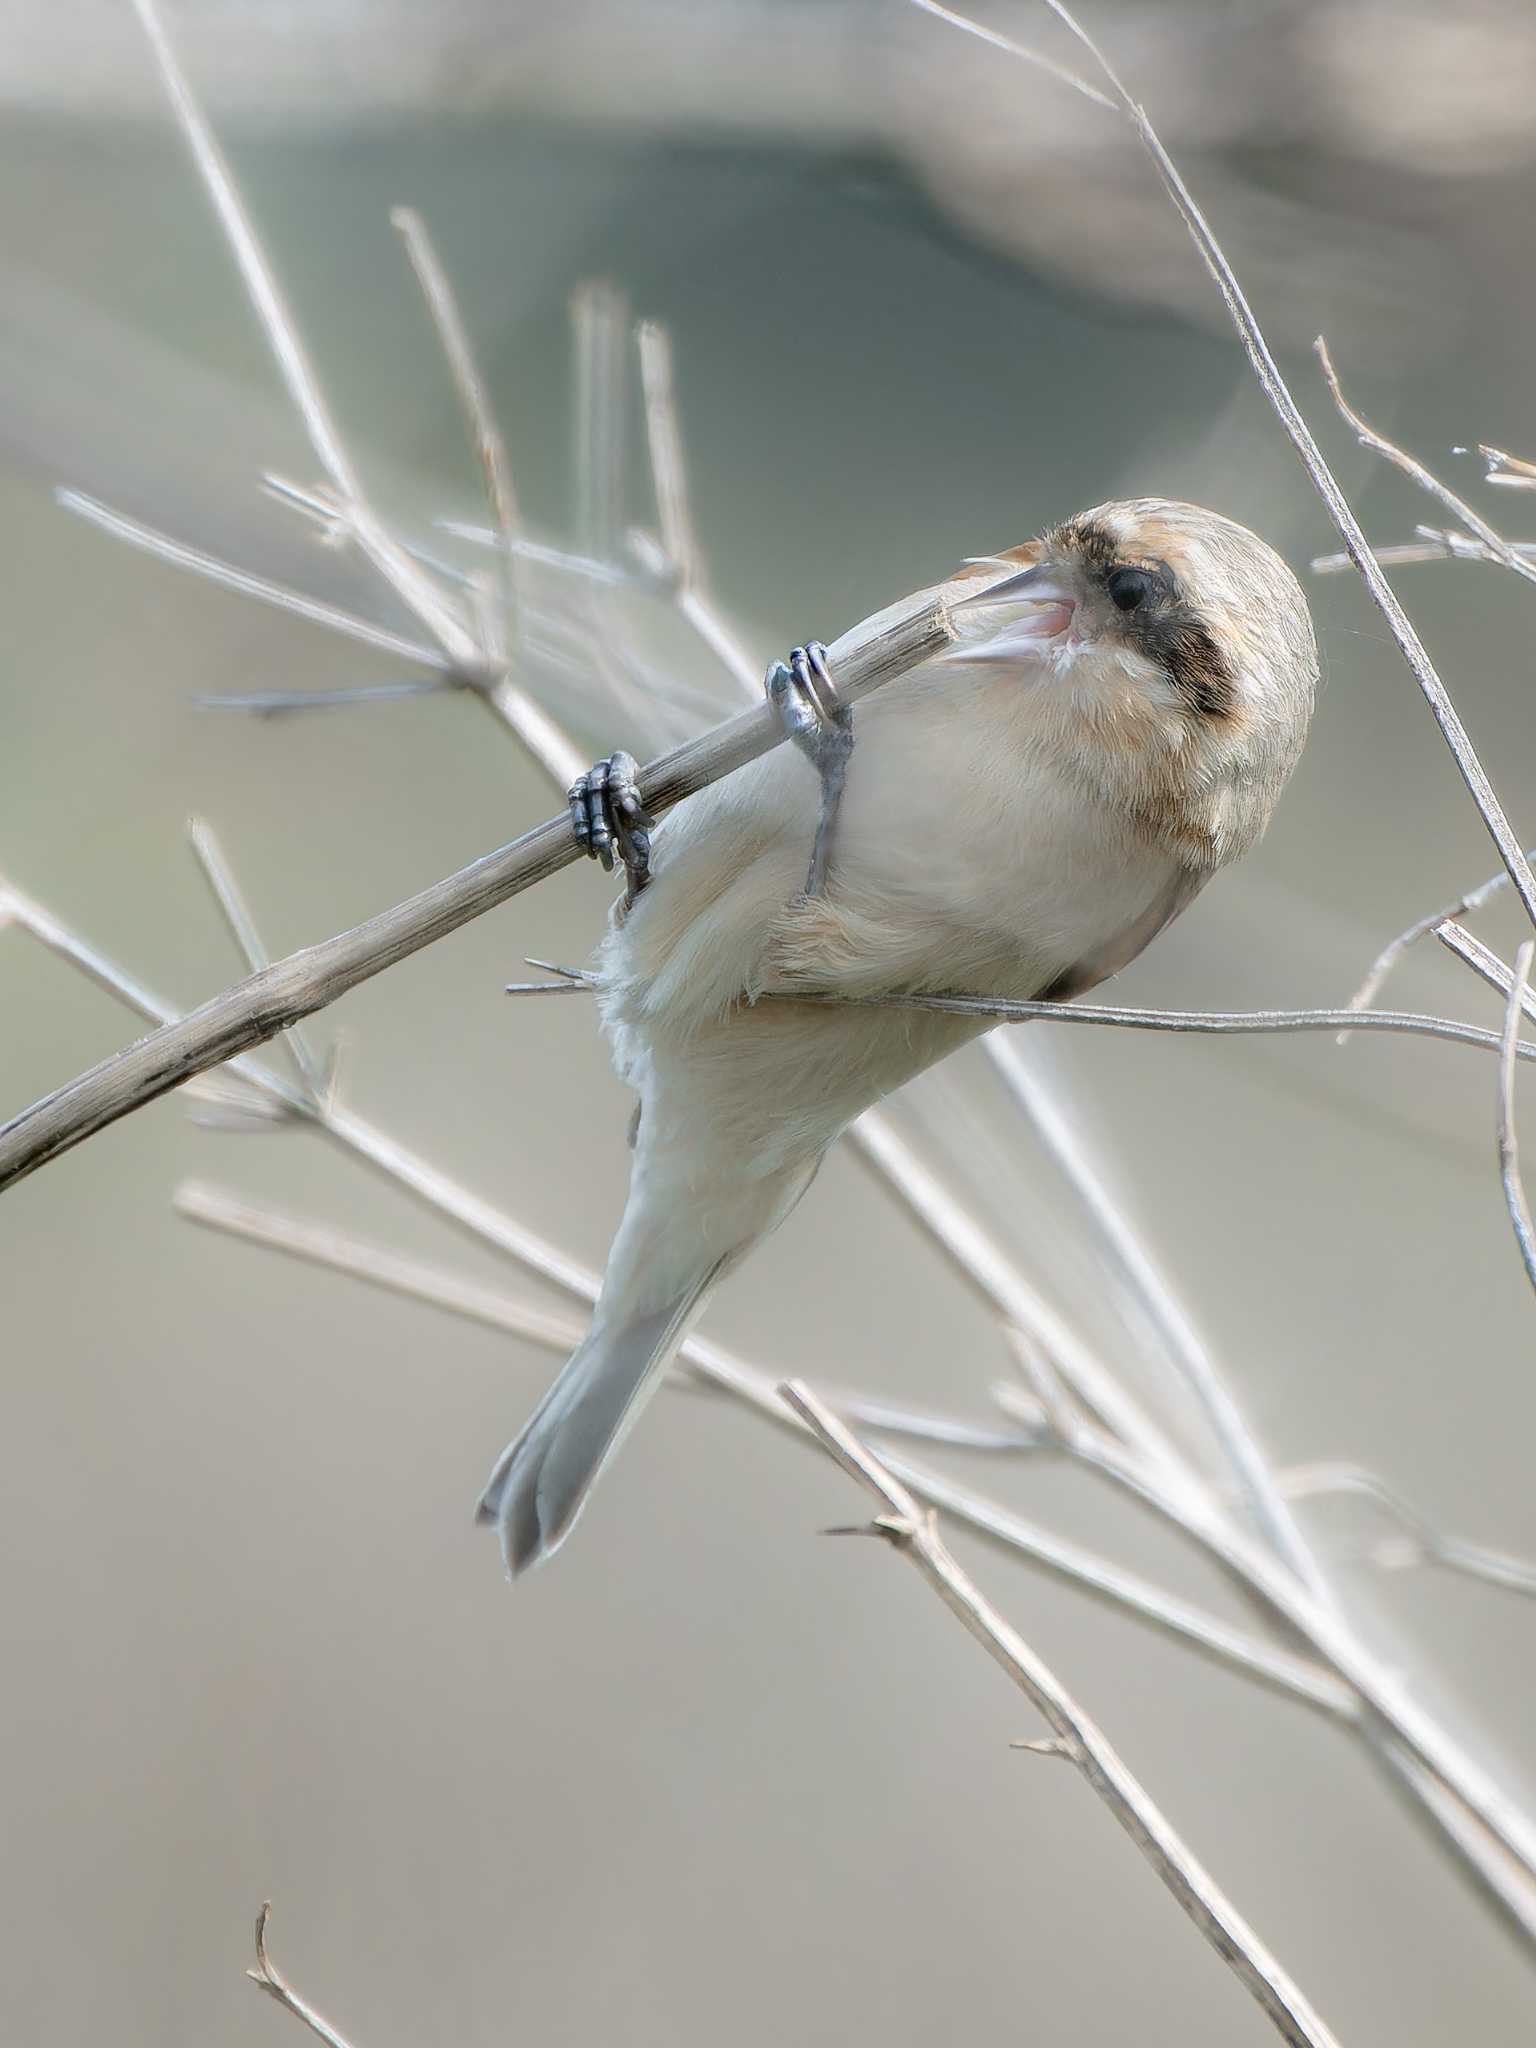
999,869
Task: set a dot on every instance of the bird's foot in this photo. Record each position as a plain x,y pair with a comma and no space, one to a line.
609,821
803,693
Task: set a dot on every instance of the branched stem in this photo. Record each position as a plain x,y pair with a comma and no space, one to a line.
912,1531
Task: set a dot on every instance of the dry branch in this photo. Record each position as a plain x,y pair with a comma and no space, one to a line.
912,1531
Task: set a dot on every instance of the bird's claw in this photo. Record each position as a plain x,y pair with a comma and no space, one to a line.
609,821
803,693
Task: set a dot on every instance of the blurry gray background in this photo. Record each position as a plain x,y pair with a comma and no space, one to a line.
712,1778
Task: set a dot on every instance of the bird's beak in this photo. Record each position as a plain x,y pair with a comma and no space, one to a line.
1041,602
1047,583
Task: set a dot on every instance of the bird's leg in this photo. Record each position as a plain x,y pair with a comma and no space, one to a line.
608,818
805,697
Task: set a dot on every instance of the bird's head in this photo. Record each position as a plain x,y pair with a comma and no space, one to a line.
1161,637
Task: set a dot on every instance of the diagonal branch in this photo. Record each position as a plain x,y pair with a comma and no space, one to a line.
913,1532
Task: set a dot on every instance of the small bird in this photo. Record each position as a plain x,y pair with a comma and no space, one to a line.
1113,722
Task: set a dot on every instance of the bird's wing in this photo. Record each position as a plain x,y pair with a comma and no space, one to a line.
1182,889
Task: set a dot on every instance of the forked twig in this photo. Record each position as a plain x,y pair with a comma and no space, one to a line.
912,1531
1387,959
1493,543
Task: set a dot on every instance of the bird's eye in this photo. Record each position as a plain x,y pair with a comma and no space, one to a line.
1130,588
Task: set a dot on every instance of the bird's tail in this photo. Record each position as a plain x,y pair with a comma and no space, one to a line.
667,1256
543,1477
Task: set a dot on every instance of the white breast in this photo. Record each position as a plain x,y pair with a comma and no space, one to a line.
969,855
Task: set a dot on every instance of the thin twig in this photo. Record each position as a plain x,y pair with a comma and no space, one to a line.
539,552
1483,961
183,556
1186,1350
1465,906
1509,1153
1419,1541
601,321
665,442
1434,544
1202,1023
913,1532
279,703
479,415
417,589
1122,1016
1368,436
267,1975
317,1245
1013,49
242,929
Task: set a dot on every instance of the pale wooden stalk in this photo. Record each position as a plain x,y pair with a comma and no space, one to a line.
912,1531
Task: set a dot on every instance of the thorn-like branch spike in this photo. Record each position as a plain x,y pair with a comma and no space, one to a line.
268,1978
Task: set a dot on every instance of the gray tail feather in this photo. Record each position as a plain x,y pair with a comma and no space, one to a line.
542,1479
